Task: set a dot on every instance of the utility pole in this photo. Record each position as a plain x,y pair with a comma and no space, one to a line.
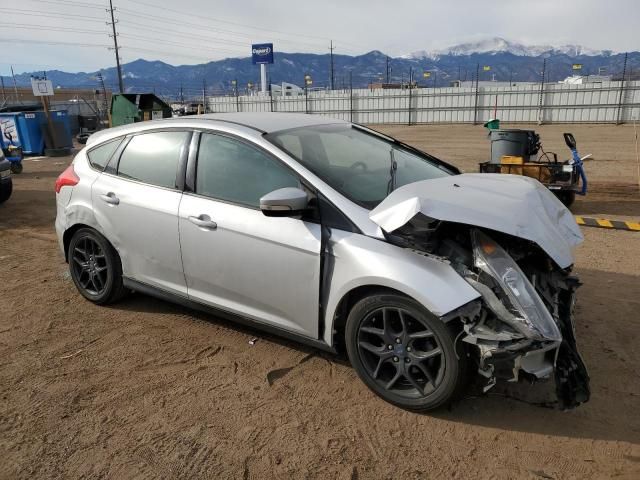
388,69
4,95
105,107
331,49
350,97
410,99
475,106
115,46
541,99
621,98
204,96
235,88
15,85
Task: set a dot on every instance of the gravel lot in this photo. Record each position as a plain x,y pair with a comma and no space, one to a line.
145,389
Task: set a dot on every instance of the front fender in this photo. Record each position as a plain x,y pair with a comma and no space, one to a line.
358,260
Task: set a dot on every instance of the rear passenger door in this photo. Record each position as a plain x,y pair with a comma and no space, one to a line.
136,202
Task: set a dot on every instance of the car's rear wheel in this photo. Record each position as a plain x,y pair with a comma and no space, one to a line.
403,353
95,267
5,191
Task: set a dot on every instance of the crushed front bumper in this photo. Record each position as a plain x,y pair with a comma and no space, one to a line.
509,356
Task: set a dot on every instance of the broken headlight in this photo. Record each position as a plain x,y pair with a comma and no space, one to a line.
529,310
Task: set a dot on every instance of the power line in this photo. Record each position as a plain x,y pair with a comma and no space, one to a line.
254,27
51,42
139,26
38,13
72,3
54,29
166,20
167,42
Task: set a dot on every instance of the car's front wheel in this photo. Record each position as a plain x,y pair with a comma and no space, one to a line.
95,267
403,353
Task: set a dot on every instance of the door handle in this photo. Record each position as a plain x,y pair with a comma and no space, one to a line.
204,221
110,198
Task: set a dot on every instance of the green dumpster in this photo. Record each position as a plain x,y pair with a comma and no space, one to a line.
137,107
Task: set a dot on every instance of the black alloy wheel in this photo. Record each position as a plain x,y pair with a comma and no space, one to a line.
95,267
403,353
90,264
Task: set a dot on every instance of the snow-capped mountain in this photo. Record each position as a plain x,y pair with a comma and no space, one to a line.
500,45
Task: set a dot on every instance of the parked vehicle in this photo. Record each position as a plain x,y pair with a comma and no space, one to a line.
337,236
6,184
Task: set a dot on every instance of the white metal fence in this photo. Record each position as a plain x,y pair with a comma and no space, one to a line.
610,102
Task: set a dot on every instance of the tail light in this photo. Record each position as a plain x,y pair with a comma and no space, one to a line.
68,178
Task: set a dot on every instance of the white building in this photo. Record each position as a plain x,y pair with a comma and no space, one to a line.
286,90
582,79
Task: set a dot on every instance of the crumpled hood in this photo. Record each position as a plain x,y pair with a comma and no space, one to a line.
512,204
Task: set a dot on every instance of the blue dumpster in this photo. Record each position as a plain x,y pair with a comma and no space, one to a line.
28,129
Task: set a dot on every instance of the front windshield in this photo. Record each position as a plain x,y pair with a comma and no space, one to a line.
361,165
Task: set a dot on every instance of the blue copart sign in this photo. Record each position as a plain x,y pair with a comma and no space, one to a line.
262,53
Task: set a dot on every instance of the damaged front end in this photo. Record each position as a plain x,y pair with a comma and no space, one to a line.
522,327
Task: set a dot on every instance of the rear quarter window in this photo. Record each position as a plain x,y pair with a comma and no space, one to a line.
99,156
153,157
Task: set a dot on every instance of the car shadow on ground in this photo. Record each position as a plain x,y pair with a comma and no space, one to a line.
606,342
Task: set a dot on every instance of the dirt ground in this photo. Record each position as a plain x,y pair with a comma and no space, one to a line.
145,389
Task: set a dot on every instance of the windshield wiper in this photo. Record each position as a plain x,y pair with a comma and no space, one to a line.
391,185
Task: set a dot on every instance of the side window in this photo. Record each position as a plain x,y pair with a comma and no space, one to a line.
234,171
153,158
99,156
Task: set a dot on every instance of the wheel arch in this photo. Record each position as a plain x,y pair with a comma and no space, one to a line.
360,264
347,302
68,235
69,232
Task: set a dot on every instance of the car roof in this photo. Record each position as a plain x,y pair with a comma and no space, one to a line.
268,122
259,122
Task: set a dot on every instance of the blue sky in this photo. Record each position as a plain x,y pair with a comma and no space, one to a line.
72,35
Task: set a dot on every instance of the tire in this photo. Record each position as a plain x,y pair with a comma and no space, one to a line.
5,191
408,343
16,167
567,198
95,267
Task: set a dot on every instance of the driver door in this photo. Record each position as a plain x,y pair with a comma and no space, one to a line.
235,257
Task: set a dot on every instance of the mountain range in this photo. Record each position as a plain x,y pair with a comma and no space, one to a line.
508,61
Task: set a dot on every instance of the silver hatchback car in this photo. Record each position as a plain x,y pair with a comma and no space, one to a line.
337,236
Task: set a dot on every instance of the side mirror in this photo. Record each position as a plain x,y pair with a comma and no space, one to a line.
570,141
284,202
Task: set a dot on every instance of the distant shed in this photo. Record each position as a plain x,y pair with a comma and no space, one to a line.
137,107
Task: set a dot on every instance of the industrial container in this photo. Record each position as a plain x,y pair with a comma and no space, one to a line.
28,130
22,129
137,107
514,143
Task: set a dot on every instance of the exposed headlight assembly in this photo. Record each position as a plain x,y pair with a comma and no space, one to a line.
532,316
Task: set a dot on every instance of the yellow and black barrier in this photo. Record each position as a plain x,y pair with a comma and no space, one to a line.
605,223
